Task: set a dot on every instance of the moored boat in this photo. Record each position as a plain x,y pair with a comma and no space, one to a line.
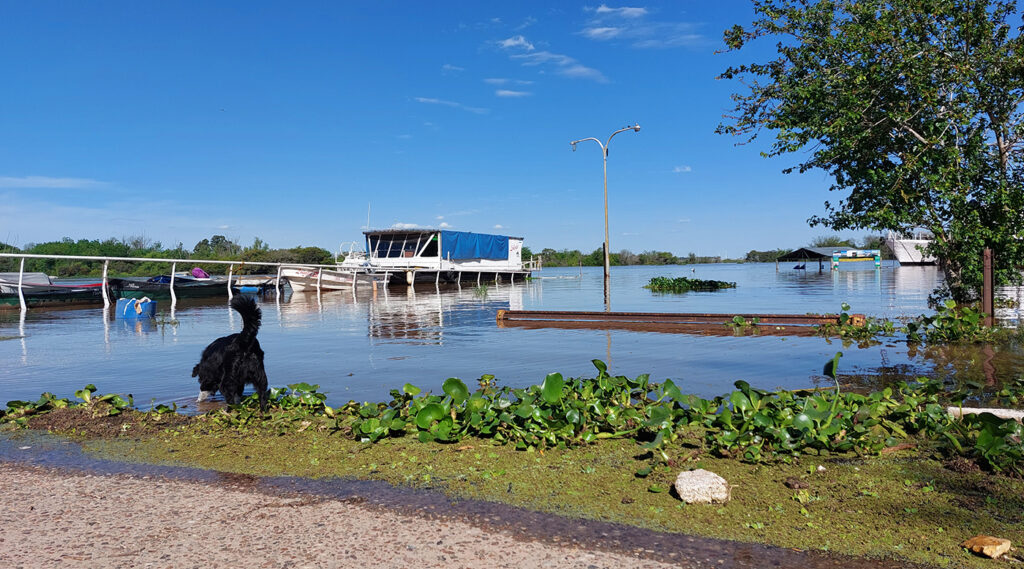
39,291
910,249
442,255
160,287
311,278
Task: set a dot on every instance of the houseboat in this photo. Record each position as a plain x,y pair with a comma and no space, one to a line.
444,256
910,249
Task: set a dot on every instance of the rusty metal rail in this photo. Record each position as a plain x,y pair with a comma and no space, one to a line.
701,324
669,318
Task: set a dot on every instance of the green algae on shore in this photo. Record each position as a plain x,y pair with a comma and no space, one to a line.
905,505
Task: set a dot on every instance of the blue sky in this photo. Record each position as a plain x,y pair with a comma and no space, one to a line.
288,121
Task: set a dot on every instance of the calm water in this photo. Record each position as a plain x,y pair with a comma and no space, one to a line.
359,347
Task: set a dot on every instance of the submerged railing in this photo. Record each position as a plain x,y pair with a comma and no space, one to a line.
174,266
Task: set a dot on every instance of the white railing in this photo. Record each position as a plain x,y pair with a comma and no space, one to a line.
173,262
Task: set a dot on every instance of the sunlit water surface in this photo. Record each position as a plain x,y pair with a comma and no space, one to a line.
361,346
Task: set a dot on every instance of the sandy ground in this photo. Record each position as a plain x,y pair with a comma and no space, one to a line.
60,519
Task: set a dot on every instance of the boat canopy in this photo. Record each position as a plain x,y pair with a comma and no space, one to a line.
423,243
460,245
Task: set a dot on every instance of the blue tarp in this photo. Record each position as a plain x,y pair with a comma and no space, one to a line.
460,245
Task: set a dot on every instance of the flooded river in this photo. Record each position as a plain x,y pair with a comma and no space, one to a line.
361,346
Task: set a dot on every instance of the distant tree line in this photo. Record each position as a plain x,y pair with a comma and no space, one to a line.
574,258
216,248
219,247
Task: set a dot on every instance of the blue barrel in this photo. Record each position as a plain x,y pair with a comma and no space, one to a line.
134,308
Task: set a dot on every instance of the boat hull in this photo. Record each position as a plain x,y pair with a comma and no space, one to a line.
183,288
302,280
51,296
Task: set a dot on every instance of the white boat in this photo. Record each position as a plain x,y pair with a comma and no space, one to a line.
910,249
316,278
354,259
441,255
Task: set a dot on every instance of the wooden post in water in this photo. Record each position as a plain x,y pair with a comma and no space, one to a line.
987,296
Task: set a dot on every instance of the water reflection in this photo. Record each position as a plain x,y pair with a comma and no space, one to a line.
360,345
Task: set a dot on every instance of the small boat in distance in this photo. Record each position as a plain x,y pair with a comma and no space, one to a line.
160,286
39,291
909,249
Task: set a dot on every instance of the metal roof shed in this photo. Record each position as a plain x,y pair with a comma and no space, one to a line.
805,254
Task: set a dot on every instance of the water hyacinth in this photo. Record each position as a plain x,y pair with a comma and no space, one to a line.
748,423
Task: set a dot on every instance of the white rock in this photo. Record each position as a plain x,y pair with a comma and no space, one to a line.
702,487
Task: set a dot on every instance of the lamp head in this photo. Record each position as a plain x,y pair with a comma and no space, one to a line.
636,127
573,144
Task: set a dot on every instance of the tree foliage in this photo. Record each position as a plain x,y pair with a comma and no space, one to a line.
217,248
914,108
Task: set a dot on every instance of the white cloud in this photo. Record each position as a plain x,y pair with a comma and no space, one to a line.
682,169
444,225
48,182
449,68
529,21
633,24
404,136
623,12
516,42
512,94
453,104
602,33
499,226
405,225
562,65
578,71
439,217
223,227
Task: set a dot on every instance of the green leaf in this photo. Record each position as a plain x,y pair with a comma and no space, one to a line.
428,414
411,389
455,389
551,390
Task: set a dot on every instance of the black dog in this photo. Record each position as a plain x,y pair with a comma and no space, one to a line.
230,362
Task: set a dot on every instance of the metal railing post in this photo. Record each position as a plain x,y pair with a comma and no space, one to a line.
106,297
21,280
231,269
174,298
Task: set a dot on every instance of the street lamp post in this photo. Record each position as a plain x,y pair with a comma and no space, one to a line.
607,251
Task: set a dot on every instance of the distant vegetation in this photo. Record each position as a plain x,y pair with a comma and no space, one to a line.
215,248
685,284
574,258
219,247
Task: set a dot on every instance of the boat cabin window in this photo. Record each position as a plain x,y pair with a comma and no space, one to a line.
431,249
397,245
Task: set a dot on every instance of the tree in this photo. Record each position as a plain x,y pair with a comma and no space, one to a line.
830,241
914,108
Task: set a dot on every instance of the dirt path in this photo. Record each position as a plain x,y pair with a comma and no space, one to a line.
60,519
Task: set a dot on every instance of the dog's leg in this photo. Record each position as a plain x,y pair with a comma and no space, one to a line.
260,383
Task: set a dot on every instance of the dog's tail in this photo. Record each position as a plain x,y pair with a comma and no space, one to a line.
251,317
